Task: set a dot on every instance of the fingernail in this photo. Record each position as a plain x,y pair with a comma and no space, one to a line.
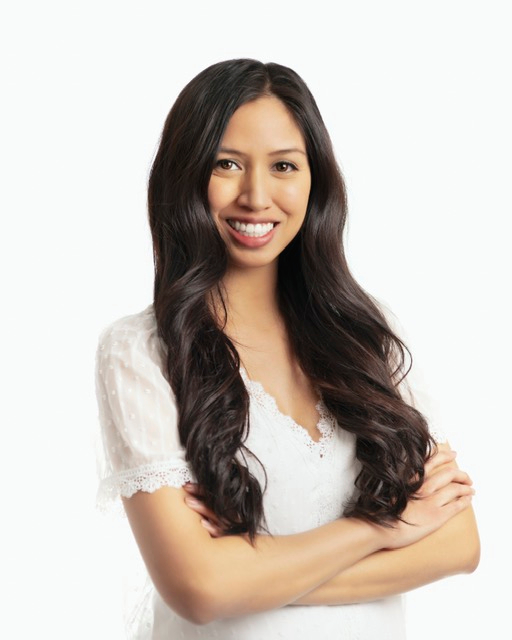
206,524
192,501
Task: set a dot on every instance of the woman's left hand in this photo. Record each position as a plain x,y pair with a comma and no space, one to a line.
208,519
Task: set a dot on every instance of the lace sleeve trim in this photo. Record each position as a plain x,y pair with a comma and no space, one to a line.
148,477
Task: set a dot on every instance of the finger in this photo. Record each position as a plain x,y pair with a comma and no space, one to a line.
201,508
453,492
193,488
213,530
442,478
441,457
457,506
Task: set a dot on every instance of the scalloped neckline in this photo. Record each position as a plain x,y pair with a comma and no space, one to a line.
324,425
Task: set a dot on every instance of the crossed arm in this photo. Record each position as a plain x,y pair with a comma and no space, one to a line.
452,549
204,575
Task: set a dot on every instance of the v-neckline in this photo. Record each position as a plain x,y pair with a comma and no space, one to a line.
325,425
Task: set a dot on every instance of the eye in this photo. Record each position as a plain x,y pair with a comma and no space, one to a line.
226,164
285,167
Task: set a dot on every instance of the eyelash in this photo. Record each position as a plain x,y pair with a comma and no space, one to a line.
291,166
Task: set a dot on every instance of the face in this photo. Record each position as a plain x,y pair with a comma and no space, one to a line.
259,189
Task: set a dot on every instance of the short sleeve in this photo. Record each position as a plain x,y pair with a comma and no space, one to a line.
141,449
413,388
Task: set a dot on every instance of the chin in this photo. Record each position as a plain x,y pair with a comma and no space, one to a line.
252,262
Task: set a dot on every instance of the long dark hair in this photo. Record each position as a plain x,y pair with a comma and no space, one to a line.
340,336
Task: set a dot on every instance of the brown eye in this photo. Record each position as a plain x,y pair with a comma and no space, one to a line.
285,167
227,165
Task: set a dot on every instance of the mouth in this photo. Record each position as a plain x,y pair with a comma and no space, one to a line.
252,230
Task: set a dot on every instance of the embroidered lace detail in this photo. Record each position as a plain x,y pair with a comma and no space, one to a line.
326,423
327,505
138,609
148,477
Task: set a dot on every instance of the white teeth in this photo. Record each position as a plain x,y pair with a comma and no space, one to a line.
252,230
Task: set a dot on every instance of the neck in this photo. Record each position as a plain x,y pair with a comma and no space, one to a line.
251,299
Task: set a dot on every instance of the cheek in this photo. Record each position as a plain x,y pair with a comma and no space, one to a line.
220,194
213,196
294,197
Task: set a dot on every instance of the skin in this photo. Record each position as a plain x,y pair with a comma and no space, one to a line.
261,175
256,180
199,572
451,549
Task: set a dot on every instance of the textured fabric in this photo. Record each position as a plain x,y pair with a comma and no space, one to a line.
308,483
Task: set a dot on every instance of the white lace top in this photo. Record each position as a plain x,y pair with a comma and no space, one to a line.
309,483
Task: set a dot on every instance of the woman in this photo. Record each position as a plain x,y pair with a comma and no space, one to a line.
255,416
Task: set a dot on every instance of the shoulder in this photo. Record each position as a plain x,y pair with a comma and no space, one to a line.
414,388
134,334
141,326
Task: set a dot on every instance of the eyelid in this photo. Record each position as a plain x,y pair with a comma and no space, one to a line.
219,160
292,166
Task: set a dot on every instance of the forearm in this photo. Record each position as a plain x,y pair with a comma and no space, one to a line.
277,571
204,578
316,565
452,549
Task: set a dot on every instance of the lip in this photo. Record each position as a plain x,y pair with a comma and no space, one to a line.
251,220
247,241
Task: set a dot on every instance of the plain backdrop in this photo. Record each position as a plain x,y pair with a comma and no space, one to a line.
416,96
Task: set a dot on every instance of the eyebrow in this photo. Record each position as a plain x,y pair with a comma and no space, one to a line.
272,153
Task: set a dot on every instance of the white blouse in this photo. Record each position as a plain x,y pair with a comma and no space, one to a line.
309,483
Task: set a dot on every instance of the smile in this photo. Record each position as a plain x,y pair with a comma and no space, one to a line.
250,230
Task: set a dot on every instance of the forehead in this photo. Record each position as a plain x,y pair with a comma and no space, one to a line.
263,124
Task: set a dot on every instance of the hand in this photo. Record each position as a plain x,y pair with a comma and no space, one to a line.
445,492
209,520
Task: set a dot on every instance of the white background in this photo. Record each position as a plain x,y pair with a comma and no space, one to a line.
416,96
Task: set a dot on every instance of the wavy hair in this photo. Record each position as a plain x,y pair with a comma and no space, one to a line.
340,336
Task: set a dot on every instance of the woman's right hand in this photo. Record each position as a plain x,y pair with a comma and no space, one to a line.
445,492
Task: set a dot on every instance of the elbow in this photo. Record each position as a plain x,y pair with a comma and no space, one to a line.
468,555
196,602
194,612
211,603
472,557
466,546
473,549
203,611
197,615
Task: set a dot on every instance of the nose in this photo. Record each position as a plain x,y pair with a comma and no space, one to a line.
255,191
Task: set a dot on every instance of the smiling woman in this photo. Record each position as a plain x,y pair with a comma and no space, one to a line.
256,416
259,191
